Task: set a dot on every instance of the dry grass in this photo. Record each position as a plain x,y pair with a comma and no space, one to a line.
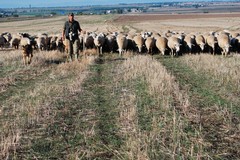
11,57
34,107
135,147
5,82
224,69
161,83
179,130
165,138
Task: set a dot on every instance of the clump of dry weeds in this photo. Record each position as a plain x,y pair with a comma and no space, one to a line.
12,57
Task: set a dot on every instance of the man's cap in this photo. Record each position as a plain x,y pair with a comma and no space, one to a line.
71,14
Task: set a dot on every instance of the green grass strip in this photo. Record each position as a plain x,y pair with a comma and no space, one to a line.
201,92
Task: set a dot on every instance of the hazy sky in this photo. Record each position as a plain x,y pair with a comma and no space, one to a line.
52,3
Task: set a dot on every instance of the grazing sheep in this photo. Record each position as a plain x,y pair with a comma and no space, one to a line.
60,45
174,44
150,44
146,34
238,43
168,33
8,37
111,42
81,38
200,41
53,42
41,42
189,43
88,41
3,41
99,42
122,43
161,44
211,42
15,41
139,42
234,38
131,45
224,43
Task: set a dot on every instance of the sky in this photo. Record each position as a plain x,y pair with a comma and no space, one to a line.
57,3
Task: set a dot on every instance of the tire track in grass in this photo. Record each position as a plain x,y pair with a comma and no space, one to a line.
58,128
80,125
219,118
106,142
84,125
200,90
150,117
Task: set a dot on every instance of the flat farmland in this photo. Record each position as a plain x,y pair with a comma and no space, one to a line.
136,106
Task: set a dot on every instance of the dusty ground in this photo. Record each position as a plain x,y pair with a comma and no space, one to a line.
186,22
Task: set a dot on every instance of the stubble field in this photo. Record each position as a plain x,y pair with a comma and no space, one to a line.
132,107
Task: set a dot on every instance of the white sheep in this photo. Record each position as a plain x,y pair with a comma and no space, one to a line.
139,42
189,42
211,42
224,43
42,41
174,44
131,45
200,41
99,42
111,42
150,44
15,41
122,43
88,40
161,44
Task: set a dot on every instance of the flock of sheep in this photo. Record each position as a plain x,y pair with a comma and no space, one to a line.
169,42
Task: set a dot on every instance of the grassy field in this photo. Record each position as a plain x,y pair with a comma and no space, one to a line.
111,107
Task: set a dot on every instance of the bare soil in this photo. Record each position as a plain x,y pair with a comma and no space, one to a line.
152,17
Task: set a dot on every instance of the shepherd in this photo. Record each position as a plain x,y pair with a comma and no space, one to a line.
70,34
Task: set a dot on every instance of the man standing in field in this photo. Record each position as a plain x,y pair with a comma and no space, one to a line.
70,32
